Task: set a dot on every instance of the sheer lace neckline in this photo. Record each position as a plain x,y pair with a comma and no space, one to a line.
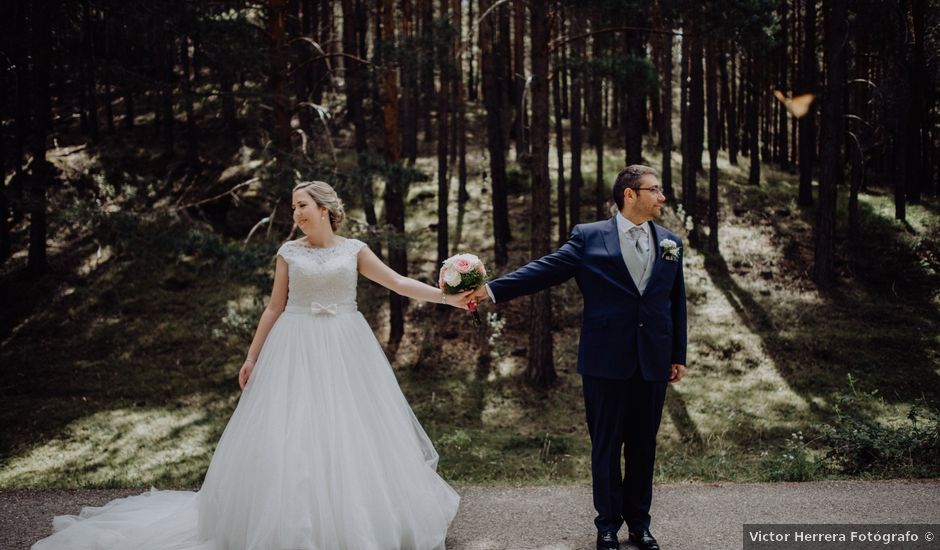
299,242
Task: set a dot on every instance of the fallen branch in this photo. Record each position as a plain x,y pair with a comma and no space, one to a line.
219,196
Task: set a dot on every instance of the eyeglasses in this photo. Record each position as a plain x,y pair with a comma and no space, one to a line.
654,190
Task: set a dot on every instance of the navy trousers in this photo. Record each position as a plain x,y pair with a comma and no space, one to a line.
623,416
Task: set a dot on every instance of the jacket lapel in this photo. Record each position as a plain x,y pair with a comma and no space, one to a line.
658,256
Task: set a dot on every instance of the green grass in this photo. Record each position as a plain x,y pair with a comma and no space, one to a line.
119,367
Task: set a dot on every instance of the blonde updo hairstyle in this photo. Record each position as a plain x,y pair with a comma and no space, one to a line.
325,196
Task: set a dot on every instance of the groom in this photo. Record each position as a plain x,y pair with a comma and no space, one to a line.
633,341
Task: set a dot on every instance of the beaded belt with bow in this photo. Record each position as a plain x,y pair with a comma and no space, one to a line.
316,308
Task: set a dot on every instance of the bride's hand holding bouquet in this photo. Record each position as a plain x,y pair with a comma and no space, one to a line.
461,273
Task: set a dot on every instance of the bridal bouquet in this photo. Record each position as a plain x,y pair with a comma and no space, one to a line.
460,273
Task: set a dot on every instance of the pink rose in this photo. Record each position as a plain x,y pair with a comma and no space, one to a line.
463,265
482,270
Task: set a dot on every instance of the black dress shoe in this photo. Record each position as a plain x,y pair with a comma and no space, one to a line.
607,540
644,540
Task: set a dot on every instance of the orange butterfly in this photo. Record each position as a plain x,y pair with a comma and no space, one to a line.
798,106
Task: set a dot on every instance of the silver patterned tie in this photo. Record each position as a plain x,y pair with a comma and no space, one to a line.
637,253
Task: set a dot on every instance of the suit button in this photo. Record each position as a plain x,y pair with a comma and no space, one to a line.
641,325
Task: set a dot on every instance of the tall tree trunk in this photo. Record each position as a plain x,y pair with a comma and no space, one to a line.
855,185
409,87
562,31
455,78
443,107
796,18
635,107
577,85
169,80
596,114
302,23
314,74
395,187
504,51
192,138
836,31
520,123
6,245
354,19
686,166
560,154
711,83
42,172
728,115
106,73
5,242
352,13
460,116
737,93
696,100
541,368
692,140
472,77
616,95
783,151
127,56
807,123
492,71
901,132
91,84
280,128
765,111
655,122
426,11
665,132
156,73
753,130
919,86
20,44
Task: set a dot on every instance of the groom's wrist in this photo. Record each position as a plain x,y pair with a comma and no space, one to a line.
490,293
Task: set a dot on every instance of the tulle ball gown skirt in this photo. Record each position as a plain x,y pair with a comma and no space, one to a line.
322,453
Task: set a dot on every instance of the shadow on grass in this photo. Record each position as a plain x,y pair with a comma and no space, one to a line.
875,325
682,420
119,334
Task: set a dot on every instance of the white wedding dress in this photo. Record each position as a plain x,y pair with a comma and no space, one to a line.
322,451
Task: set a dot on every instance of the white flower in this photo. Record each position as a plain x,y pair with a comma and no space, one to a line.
670,249
451,276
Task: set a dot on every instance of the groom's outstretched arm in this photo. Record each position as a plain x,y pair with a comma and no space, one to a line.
540,274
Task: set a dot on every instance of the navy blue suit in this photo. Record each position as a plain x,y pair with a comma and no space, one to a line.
629,342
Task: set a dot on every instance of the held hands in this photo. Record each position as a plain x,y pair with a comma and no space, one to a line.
676,373
480,294
459,300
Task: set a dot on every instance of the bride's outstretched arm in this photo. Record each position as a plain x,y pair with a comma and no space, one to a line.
373,269
275,307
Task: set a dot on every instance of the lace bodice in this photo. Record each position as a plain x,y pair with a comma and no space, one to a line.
321,275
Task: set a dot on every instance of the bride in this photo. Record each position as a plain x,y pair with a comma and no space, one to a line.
322,451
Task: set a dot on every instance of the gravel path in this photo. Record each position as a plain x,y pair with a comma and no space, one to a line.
561,517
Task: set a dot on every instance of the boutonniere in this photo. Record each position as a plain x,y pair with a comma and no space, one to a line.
670,249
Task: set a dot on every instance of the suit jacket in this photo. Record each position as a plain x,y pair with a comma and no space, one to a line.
621,329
